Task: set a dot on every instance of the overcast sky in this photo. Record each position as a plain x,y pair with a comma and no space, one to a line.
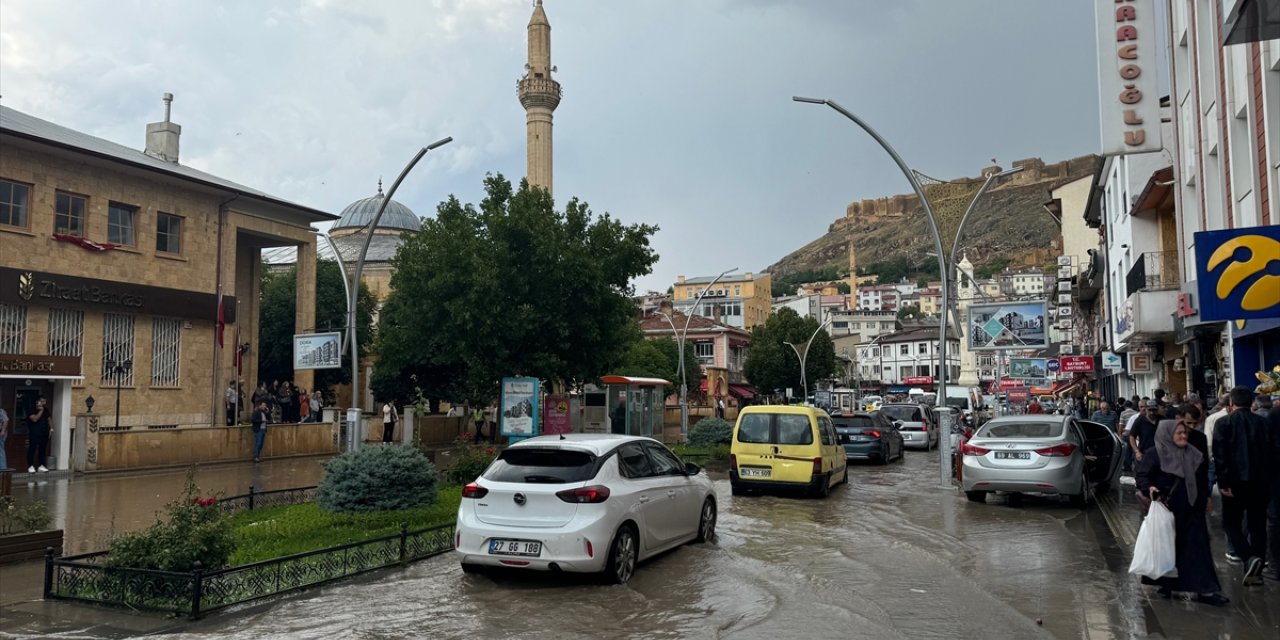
675,112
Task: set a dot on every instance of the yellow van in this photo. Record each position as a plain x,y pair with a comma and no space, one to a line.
785,447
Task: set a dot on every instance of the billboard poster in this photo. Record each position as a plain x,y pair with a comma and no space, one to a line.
1008,325
519,405
1028,367
556,419
1128,94
1235,274
317,351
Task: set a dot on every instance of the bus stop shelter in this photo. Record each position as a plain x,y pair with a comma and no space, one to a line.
636,405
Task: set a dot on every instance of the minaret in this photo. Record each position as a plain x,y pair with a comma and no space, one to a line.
539,95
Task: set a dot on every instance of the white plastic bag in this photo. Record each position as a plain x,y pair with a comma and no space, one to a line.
1154,555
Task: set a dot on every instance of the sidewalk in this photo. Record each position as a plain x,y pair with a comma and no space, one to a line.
1254,612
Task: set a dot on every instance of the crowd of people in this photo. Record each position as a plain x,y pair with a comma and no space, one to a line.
1180,450
286,403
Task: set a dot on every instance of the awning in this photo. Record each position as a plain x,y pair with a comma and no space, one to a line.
1068,387
702,386
644,382
742,391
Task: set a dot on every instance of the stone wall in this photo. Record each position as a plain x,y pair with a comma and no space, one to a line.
181,447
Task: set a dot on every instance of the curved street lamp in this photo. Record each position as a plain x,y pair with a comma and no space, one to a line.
804,355
680,338
944,447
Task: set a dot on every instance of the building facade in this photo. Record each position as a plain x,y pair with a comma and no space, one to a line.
129,275
721,351
741,301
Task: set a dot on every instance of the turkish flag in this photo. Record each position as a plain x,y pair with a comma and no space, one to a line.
222,318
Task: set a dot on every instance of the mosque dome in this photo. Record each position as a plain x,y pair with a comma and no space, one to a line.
358,214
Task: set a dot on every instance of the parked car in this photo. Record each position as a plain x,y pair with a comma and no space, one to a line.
917,427
869,436
583,503
872,403
1040,453
785,448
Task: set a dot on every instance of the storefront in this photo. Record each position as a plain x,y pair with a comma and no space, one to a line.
23,381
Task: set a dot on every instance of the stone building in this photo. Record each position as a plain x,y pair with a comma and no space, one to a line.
125,273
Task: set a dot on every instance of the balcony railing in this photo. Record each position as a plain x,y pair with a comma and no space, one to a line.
1154,271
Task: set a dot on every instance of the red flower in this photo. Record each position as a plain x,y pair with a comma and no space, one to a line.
488,451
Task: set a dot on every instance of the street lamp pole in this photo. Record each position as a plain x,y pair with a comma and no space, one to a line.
944,448
118,369
802,356
355,412
680,338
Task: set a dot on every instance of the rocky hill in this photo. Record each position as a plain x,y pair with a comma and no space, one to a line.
1010,222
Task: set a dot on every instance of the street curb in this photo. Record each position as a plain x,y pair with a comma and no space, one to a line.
1121,526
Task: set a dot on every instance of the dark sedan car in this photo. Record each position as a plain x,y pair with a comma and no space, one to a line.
869,436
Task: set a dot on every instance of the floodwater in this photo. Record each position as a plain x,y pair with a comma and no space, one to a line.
888,556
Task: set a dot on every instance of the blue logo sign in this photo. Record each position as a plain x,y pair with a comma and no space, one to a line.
1053,364
1238,273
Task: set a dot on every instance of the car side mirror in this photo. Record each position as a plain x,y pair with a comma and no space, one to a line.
692,469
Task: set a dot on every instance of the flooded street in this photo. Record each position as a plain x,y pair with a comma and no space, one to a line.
888,556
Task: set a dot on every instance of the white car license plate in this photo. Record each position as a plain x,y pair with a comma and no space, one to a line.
755,473
1013,455
504,547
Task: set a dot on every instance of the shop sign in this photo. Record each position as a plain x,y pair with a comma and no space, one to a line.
1140,363
37,366
19,286
1233,273
1076,364
1128,95
557,418
918,380
1112,360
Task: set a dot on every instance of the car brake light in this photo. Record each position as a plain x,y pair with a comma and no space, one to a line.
733,463
817,466
594,494
1063,450
873,434
591,551
474,490
972,450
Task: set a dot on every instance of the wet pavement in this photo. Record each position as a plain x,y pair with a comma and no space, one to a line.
888,556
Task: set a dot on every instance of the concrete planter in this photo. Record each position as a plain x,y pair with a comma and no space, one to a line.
25,546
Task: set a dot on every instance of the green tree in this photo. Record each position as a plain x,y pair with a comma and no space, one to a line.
992,267
279,309
659,358
771,364
509,287
910,312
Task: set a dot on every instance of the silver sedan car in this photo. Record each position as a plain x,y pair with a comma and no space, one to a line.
1042,453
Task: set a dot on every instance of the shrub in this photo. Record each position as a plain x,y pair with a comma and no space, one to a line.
469,461
196,530
16,518
710,431
377,478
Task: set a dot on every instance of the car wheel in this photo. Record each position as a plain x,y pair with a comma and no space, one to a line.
884,455
976,496
824,487
844,478
622,556
1081,500
707,523
468,567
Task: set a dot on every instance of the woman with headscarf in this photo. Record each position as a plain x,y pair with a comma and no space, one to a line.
1176,472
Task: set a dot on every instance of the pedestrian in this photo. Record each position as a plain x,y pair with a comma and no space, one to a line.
1245,456
1193,399
304,406
260,395
1142,434
4,435
1104,415
720,408
315,403
389,420
1273,511
618,419
284,397
1262,405
261,418
1174,470
477,419
38,437
296,396
491,420
1035,407
1122,430
230,398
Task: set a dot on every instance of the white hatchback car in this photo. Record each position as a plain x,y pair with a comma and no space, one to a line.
583,503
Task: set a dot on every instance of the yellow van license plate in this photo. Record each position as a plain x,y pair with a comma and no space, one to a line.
755,473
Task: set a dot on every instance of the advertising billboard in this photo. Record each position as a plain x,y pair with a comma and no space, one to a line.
1128,94
519,405
1234,274
1008,325
317,351
1028,367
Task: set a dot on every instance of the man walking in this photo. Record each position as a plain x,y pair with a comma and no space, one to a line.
230,400
1244,456
1273,512
261,418
38,437
1143,434
1104,415
389,419
477,418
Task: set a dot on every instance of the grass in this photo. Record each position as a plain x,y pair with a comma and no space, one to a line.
273,532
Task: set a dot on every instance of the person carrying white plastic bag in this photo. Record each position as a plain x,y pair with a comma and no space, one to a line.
1174,474
1154,554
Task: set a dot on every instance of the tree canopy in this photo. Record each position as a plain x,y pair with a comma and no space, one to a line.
279,309
660,358
510,287
771,364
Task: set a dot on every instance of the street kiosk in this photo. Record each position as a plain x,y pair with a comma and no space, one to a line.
635,405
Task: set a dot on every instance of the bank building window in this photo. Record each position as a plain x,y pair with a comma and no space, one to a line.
117,347
166,350
69,219
66,332
120,223
13,203
13,328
